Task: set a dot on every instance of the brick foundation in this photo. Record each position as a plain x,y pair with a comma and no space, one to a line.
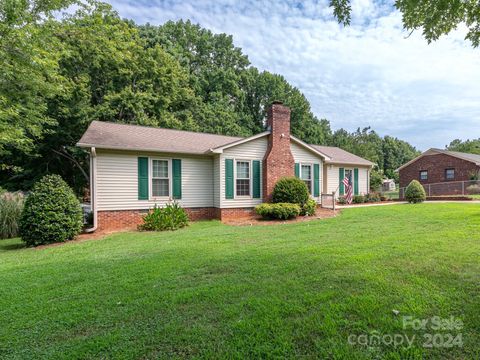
116,220
237,213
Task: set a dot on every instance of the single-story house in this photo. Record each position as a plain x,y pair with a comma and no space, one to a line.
132,168
441,172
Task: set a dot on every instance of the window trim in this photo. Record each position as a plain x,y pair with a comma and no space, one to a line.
250,179
420,175
150,179
446,177
312,177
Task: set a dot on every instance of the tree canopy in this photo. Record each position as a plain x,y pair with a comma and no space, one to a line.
468,146
60,73
434,17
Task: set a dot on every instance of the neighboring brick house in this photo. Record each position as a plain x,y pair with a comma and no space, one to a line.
132,168
446,169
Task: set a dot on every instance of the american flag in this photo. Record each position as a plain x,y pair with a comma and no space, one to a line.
348,190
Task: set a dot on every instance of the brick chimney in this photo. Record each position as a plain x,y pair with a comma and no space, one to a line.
278,161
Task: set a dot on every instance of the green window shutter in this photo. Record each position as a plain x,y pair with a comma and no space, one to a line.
256,178
228,178
297,170
143,178
177,178
355,181
316,180
341,176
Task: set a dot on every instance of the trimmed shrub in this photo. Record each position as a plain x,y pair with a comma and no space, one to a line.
372,197
281,211
11,206
415,193
51,214
309,208
290,190
170,217
359,199
342,200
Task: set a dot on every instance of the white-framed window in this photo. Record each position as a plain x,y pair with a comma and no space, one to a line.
424,175
243,181
450,174
306,174
160,180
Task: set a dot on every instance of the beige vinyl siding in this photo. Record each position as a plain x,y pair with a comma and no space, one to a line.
252,150
302,155
362,181
332,178
117,180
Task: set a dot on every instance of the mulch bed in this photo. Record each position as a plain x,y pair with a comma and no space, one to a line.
257,220
449,198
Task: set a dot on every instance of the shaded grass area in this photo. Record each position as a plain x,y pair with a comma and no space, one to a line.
216,291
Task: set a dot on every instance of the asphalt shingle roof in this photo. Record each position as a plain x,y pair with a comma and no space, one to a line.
107,135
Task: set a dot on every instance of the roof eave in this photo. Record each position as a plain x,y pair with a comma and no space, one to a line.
122,148
349,163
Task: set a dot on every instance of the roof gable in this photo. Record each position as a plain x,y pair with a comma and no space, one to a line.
474,158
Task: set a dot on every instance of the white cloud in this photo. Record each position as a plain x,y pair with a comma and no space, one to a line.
367,74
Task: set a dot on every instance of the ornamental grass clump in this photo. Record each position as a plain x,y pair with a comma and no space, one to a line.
415,193
52,213
11,206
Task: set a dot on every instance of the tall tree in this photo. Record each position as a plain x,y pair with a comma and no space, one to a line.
29,75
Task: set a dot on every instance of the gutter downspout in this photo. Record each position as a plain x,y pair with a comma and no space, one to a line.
93,189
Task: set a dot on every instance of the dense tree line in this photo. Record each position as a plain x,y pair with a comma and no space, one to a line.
60,74
468,146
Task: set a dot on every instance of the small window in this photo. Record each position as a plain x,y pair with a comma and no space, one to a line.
424,175
243,178
160,178
449,174
306,176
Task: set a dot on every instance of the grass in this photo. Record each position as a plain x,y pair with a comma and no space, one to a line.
217,291
392,195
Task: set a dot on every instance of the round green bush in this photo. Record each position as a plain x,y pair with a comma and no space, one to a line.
415,193
290,190
51,213
282,211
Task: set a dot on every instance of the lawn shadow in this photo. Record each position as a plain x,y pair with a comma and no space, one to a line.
9,246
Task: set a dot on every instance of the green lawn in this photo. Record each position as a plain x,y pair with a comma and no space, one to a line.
217,291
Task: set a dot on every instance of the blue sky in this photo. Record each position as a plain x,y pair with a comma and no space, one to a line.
368,74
